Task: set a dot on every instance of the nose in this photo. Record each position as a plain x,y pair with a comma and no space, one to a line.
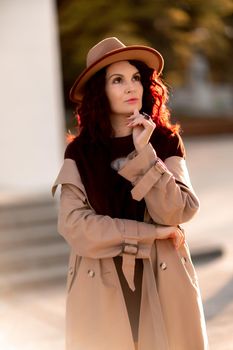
129,87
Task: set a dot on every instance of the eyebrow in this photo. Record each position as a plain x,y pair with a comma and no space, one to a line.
120,75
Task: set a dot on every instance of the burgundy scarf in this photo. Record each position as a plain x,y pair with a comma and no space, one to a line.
107,191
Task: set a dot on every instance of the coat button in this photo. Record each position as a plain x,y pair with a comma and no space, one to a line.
163,266
91,273
184,259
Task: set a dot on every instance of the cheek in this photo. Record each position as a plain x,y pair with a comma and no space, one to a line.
141,92
113,94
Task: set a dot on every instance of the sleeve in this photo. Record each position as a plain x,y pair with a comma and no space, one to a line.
92,235
165,186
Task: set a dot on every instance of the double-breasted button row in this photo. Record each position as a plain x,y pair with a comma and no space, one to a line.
163,265
90,273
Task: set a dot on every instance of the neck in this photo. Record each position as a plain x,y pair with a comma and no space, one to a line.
119,125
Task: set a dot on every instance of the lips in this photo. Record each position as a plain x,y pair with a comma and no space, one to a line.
132,100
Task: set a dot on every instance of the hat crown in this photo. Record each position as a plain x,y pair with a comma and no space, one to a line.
102,48
109,51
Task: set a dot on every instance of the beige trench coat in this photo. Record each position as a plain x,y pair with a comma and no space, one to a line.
171,316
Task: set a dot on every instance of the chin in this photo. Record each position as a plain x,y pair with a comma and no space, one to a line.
133,107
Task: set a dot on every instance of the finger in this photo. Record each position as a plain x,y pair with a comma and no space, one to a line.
177,242
175,238
137,121
134,116
141,118
146,116
138,116
180,238
182,233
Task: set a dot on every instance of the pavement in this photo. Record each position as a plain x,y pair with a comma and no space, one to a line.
32,317
210,233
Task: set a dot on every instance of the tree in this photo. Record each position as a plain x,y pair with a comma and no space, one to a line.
177,29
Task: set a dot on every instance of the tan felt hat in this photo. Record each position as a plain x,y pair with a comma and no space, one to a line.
112,50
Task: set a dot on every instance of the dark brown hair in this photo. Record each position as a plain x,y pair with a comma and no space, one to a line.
93,112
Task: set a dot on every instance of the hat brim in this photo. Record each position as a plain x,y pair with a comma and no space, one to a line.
145,54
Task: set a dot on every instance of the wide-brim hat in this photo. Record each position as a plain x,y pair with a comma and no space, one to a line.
111,50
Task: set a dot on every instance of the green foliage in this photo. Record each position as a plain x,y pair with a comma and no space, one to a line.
177,29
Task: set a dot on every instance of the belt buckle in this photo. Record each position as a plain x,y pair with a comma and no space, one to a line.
129,248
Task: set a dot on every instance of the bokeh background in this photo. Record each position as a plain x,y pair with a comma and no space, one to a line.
43,45
195,38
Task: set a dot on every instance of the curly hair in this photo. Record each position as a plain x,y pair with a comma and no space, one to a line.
92,114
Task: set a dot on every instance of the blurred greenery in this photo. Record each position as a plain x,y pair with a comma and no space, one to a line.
177,29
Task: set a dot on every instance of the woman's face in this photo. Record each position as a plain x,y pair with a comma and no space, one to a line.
123,88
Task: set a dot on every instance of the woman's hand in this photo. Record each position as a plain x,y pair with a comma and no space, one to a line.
142,129
173,232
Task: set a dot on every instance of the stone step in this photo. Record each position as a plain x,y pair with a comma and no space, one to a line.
32,253
28,278
24,213
28,257
28,235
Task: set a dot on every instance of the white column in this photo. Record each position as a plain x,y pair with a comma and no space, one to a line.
31,109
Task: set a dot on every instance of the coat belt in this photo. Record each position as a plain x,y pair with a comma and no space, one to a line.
129,252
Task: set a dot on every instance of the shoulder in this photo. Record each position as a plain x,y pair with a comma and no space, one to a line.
176,145
72,148
167,143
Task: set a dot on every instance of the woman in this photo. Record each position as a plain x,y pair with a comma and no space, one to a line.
125,191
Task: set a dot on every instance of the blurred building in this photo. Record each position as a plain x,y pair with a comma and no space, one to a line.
32,116
31,146
199,97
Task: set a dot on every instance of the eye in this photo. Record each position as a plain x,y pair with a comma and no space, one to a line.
117,80
137,77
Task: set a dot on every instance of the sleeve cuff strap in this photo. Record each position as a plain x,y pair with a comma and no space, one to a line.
146,182
139,165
